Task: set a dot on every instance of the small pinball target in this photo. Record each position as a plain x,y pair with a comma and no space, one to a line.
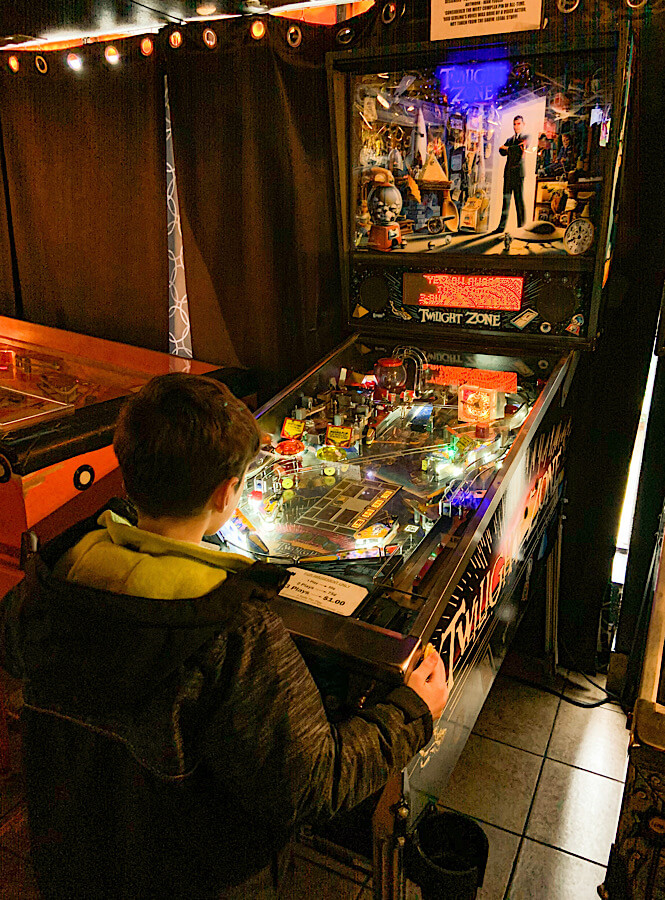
84,477
294,36
41,65
5,469
210,38
345,36
389,12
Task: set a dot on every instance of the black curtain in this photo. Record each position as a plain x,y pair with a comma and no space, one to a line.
85,155
609,385
253,155
8,299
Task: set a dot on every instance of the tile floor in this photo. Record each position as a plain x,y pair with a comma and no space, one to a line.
552,782
543,778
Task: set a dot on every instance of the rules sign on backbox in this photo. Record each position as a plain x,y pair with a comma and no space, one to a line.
471,18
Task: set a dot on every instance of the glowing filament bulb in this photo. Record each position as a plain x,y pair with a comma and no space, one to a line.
112,55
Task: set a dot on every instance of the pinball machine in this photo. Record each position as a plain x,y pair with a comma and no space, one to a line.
413,478
60,395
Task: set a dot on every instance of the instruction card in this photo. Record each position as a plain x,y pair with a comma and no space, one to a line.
323,591
470,18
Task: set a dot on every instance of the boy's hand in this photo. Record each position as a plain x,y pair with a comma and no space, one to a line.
429,682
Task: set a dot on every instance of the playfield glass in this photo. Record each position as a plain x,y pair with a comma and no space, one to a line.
38,384
353,478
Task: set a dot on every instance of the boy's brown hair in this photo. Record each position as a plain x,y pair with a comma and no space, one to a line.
178,439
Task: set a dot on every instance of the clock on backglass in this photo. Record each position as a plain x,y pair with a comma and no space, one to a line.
578,237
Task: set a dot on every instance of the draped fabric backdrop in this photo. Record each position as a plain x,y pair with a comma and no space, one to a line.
86,172
251,133
8,300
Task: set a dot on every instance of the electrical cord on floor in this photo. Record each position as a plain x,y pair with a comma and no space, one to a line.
572,700
610,696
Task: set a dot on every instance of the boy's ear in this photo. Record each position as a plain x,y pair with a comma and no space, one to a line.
223,494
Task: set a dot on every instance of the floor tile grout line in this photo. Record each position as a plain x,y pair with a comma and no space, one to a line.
506,895
553,758
562,762
506,744
567,852
483,821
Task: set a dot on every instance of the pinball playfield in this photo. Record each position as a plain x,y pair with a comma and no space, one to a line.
376,455
37,384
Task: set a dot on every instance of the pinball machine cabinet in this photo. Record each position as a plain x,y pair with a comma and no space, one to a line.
60,394
414,475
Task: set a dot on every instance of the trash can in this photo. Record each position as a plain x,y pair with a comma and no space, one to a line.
446,855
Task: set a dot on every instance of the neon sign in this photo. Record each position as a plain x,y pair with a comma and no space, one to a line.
473,83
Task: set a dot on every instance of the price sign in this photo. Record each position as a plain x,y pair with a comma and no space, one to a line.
323,591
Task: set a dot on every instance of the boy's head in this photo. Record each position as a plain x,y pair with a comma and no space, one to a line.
178,439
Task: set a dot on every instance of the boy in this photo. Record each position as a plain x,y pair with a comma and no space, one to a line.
173,735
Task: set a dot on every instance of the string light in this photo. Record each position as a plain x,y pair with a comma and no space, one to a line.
13,63
210,38
257,29
112,55
147,46
74,62
175,39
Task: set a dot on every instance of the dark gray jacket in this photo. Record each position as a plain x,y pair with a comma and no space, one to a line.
171,746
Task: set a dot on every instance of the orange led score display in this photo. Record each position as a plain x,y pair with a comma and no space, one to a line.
481,378
497,292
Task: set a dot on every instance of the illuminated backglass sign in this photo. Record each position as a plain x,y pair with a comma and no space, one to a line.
495,292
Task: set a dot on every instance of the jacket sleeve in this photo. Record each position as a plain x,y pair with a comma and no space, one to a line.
270,745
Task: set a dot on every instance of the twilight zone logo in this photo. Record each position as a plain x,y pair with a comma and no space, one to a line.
491,566
466,318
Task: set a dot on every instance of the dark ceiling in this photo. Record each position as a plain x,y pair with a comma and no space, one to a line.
48,19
